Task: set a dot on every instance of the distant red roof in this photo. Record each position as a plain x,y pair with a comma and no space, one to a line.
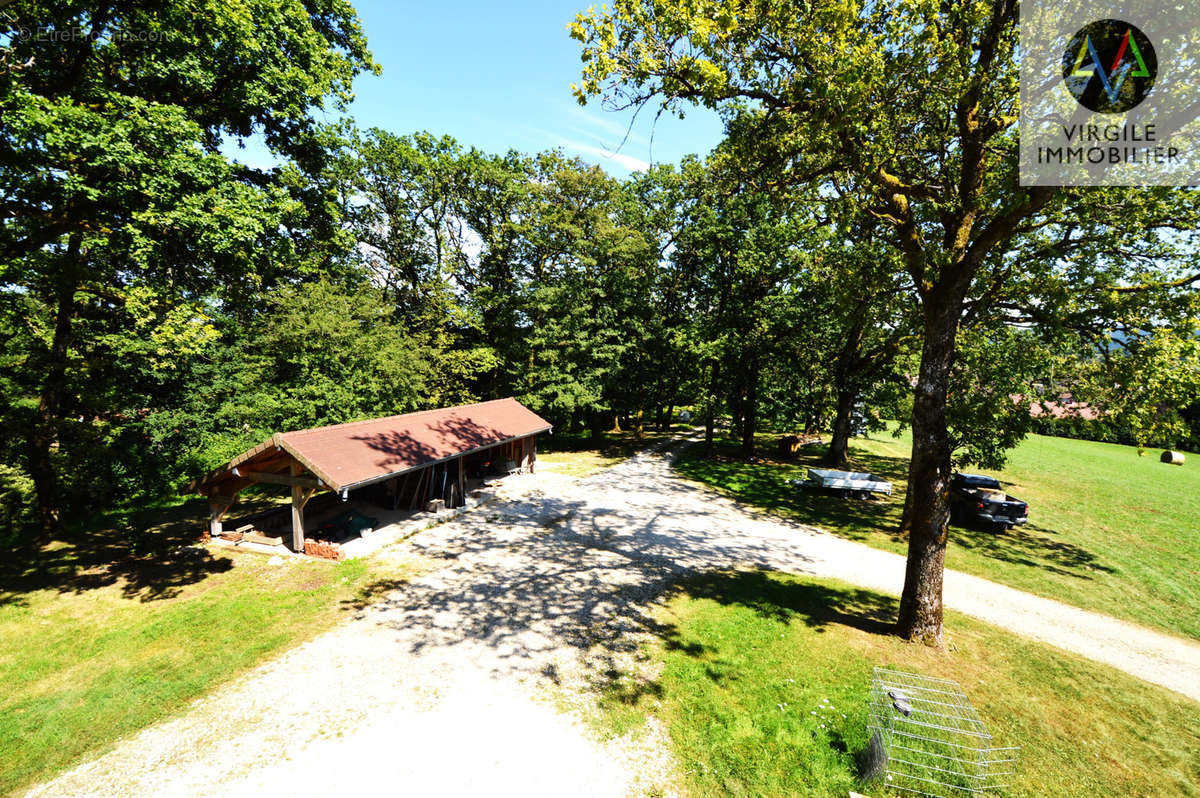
1064,406
348,455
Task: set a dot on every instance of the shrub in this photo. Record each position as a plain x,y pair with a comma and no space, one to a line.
16,507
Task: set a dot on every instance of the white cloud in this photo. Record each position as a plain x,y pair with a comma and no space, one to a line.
624,161
622,130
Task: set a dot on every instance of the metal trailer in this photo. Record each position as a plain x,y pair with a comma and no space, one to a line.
845,483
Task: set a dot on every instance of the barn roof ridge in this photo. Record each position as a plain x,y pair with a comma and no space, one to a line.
412,414
342,460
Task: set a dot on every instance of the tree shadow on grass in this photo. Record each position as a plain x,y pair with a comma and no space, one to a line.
1032,546
608,444
786,600
770,595
766,483
372,592
147,553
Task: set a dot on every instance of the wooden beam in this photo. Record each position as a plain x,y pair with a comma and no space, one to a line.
297,512
271,465
295,480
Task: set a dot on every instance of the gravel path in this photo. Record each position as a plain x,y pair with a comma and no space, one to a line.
474,677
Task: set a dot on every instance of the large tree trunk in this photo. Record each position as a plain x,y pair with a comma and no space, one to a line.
905,516
928,507
750,410
843,377
840,441
710,415
44,430
736,407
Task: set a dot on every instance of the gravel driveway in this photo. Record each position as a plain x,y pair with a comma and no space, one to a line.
472,678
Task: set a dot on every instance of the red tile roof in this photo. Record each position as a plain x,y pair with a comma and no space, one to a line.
348,455
1064,406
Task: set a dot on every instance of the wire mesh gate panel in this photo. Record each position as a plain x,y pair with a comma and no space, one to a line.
933,740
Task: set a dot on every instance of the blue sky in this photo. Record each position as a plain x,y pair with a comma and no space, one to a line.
498,76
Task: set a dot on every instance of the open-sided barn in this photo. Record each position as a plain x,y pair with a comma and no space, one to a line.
399,461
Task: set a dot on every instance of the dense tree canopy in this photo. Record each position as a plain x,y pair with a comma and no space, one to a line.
909,112
118,208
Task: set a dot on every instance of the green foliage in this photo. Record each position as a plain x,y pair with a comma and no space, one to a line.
534,274
587,294
205,305
318,355
122,222
16,507
1157,378
906,113
987,413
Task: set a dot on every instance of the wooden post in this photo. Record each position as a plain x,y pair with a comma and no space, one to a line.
532,453
462,482
297,512
416,499
400,491
215,511
218,505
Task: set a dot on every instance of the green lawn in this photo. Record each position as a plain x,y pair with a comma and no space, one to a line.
762,680
1108,530
96,643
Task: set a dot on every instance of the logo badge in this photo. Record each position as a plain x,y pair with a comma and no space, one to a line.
1109,66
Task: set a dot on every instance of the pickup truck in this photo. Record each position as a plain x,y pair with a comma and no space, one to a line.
980,499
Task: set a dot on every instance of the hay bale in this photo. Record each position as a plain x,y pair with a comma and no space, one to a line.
1172,457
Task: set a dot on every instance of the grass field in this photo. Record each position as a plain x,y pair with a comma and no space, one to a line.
1108,530
97,643
763,678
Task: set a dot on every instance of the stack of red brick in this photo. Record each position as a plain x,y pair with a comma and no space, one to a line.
324,549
